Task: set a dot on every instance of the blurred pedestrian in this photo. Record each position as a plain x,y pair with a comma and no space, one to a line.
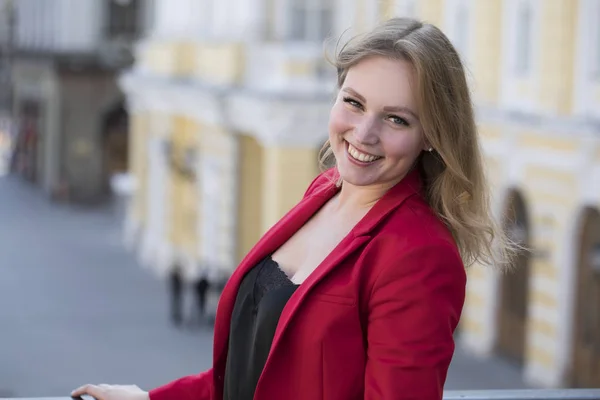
356,292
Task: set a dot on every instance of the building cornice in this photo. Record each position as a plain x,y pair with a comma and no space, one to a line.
288,119
299,118
570,126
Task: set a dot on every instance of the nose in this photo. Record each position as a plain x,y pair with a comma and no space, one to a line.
366,131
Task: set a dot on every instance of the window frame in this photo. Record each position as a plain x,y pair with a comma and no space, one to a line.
595,24
311,21
458,25
522,62
124,24
406,8
520,83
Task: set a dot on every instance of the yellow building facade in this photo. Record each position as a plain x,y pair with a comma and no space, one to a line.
225,134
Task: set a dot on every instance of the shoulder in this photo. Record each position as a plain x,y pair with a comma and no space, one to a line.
414,240
416,221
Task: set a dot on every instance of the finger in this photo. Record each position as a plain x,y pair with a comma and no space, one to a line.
92,390
79,391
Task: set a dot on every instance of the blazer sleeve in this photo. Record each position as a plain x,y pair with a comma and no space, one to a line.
414,307
193,387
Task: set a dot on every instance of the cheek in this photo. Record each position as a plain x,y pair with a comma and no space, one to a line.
403,145
339,123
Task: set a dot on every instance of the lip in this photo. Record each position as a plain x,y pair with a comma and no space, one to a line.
359,149
357,162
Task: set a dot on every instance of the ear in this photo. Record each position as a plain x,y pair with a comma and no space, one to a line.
427,147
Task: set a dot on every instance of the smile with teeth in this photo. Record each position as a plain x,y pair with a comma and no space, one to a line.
360,156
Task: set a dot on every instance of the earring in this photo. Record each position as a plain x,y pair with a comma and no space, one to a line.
430,149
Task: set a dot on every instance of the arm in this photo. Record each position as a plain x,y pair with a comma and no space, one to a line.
194,387
414,308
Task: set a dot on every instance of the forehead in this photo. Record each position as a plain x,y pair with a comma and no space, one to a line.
383,81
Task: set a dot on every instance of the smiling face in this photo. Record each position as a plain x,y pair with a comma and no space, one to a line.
374,127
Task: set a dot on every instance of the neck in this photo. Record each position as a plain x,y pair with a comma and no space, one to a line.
360,197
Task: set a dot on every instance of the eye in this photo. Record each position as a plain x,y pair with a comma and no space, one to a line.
398,120
352,102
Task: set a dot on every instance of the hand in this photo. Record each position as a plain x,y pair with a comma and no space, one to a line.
112,392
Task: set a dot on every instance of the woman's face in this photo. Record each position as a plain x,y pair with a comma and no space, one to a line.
374,126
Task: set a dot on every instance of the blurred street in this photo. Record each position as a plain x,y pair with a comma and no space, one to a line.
75,307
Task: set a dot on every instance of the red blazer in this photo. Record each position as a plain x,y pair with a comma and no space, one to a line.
374,321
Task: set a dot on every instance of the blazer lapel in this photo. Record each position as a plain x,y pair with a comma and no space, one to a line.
270,241
346,247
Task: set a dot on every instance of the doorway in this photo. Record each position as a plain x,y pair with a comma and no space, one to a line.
512,317
586,352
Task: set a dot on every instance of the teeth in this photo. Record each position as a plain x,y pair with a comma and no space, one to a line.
357,155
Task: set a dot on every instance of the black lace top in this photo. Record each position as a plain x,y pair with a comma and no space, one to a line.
263,293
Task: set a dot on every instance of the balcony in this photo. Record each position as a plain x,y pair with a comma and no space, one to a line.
288,66
533,394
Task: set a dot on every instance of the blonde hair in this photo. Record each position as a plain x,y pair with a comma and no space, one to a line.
453,173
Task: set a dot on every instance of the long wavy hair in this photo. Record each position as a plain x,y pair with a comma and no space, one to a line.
455,184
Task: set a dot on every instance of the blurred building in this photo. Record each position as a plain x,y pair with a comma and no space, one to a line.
70,116
229,103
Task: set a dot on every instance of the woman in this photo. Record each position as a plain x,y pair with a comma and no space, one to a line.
356,292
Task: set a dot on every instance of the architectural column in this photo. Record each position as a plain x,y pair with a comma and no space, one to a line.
272,179
559,31
287,172
431,11
486,62
176,18
156,253
134,219
252,20
183,230
278,153
372,13
387,9
219,201
360,21
249,193
344,17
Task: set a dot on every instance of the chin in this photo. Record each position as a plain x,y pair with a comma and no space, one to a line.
357,178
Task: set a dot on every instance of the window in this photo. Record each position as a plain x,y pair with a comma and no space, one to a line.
411,9
148,16
596,59
124,18
406,8
462,30
310,20
524,38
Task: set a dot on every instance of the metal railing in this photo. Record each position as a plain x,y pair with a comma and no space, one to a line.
527,394
531,394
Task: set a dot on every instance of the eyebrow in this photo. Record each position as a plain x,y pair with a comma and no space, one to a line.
387,108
